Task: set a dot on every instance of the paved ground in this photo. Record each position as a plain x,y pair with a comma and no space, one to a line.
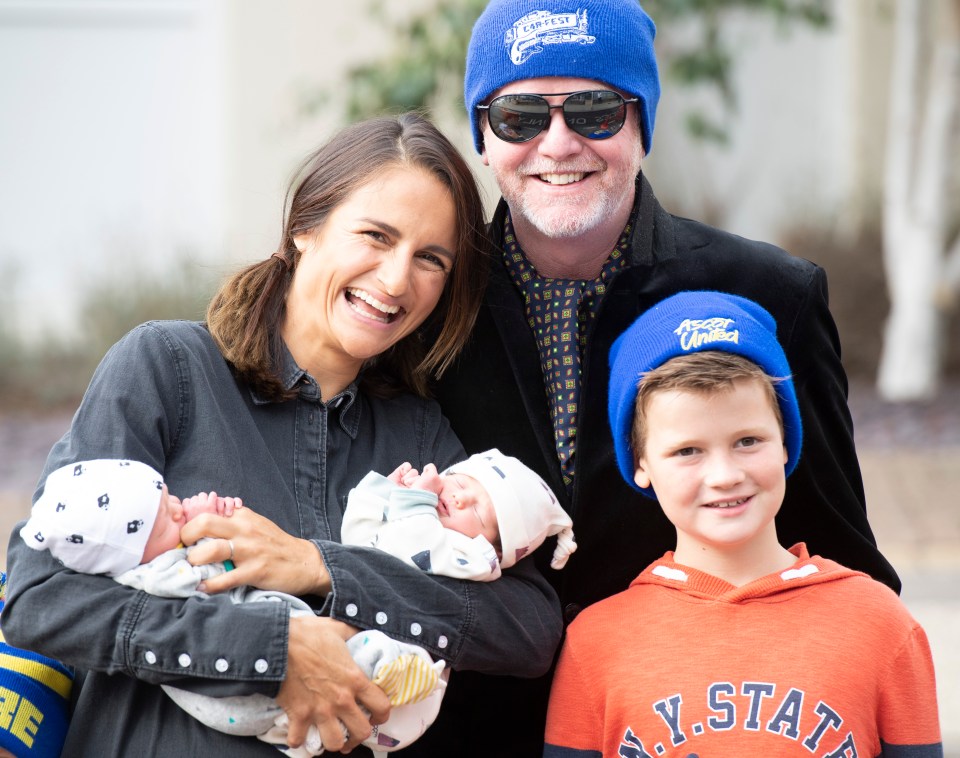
910,457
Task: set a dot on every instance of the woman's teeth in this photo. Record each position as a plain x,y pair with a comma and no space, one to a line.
366,297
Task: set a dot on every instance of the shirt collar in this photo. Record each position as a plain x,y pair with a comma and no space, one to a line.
290,376
349,409
344,402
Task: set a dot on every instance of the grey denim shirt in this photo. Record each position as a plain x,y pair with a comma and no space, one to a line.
164,395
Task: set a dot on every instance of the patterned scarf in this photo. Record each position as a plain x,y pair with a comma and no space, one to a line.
559,312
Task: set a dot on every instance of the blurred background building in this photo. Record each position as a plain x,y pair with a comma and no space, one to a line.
137,133
146,145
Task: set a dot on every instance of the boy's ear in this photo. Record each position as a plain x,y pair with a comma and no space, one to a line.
640,476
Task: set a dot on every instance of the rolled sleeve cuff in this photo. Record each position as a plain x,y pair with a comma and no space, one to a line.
372,590
248,656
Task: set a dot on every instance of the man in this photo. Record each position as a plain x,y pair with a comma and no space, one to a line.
583,247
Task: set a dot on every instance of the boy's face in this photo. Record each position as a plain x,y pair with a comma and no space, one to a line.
165,534
465,506
716,462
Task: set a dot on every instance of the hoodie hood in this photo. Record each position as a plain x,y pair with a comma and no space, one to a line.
806,571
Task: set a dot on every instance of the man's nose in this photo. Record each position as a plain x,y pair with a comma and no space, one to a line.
558,141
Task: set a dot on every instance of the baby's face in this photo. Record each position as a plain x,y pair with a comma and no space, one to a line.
464,506
165,534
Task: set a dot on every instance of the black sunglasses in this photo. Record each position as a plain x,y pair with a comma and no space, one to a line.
594,114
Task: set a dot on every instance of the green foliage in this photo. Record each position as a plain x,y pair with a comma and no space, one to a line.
427,55
709,61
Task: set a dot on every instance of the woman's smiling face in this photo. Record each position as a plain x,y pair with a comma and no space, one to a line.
372,273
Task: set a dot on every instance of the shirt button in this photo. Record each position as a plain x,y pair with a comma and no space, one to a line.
381,618
261,666
150,657
351,609
415,629
184,660
221,665
442,642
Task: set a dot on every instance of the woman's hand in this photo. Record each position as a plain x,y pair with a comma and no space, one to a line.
263,554
325,687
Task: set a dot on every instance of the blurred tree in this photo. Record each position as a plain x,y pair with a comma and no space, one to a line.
425,63
922,265
709,59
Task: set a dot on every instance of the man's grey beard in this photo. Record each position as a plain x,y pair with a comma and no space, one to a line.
573,224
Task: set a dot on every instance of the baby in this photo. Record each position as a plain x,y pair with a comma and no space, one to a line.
109,516
470,521
116,517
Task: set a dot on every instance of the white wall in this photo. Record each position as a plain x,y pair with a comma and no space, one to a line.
110,145
279,56
789,159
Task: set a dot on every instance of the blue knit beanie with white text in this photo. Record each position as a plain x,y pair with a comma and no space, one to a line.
693,322
609,41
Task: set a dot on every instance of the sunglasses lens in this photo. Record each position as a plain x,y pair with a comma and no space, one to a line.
518,118
597,114
594,114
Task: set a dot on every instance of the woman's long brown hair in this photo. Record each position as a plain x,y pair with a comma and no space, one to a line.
246,314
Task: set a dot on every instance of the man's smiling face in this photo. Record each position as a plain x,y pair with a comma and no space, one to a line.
559,182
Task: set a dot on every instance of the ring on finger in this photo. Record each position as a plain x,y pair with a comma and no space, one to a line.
230,543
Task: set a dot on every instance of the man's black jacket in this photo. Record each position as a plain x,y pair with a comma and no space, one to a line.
494,397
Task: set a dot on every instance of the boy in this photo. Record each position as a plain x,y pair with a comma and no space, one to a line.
735,645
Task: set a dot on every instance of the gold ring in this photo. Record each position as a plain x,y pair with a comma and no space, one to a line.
230,543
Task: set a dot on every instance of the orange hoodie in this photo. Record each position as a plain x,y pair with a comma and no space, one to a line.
818,660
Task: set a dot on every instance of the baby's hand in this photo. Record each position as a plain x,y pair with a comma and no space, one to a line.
199,503
203,502
411,478
429,480
401,475
227,505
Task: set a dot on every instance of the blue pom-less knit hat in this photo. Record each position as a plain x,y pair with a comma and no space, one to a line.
692,322
610,41
36,694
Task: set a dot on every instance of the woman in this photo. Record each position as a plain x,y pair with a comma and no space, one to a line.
309,372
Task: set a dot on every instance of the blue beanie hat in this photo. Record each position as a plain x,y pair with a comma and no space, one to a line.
692,322
609,41
36,692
